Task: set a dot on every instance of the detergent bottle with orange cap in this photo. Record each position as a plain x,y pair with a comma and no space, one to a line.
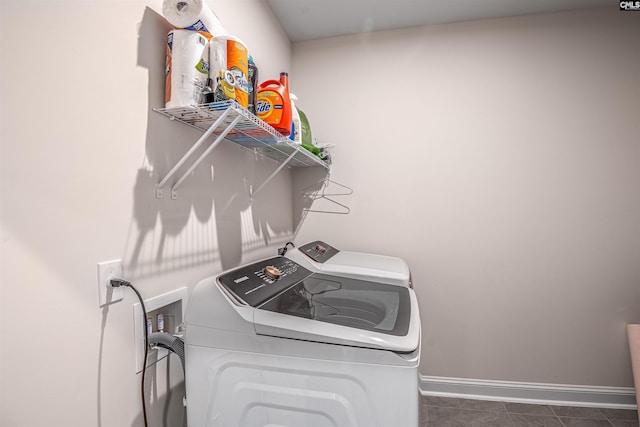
274,105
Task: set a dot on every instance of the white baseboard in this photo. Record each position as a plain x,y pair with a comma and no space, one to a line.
534,393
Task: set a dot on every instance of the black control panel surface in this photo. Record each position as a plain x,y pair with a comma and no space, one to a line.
318,251
258,282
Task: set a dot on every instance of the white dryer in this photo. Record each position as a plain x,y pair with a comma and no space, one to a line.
321,257
276,344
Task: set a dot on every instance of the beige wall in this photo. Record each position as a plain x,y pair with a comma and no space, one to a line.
501,159
81,151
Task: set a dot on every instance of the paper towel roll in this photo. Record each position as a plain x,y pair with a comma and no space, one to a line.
229,69
224,85
187,68
192,15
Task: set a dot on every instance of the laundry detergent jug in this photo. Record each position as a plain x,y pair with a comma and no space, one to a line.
274,105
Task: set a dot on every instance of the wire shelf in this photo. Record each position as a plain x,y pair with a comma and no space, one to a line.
249,132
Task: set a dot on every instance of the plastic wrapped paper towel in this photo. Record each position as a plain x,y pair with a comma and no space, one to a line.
229,69
187,68
192,15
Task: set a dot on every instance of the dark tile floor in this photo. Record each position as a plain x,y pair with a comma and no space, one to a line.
450,412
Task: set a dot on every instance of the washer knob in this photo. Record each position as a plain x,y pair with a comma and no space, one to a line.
320,248
272,272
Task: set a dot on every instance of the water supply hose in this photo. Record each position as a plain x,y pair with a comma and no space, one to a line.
170,342
173,344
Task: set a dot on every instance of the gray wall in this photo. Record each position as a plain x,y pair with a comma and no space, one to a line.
81,153
501,159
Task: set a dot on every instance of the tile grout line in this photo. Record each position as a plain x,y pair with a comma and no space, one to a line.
510,418
609,420
605,417
557,416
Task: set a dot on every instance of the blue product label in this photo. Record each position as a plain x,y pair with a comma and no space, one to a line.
264,106
170,41
242,83
198,26
203,66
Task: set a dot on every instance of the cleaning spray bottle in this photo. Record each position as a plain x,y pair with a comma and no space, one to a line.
274,105
296,124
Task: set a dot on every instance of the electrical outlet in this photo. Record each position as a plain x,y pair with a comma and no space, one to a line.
107,270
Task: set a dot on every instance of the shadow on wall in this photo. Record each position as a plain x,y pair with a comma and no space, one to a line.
305,193
165,409
213,218
164,403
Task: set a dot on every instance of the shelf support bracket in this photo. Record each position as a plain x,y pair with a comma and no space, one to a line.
188,154
199,160
282,165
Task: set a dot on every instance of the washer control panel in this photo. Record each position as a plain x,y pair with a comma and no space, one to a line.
318,251
256,283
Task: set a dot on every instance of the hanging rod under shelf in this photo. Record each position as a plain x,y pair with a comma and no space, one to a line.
228,120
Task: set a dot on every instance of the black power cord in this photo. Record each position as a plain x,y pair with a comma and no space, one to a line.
116,283
283,250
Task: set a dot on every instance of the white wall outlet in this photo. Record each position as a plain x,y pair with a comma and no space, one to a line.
107,270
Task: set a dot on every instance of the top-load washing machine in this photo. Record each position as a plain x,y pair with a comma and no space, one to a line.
321,257
275,343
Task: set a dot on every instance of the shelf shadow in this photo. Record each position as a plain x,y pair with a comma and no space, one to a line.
164,403
214,218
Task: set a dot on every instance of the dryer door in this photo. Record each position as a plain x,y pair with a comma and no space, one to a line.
343,311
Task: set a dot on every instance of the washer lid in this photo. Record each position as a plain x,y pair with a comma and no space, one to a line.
357,265
345,311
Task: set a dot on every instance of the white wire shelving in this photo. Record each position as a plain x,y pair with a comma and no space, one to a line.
228,120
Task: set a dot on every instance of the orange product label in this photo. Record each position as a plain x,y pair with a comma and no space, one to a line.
269,107
238,64
206,35
167,78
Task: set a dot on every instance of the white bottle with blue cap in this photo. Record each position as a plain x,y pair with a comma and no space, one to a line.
296,126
